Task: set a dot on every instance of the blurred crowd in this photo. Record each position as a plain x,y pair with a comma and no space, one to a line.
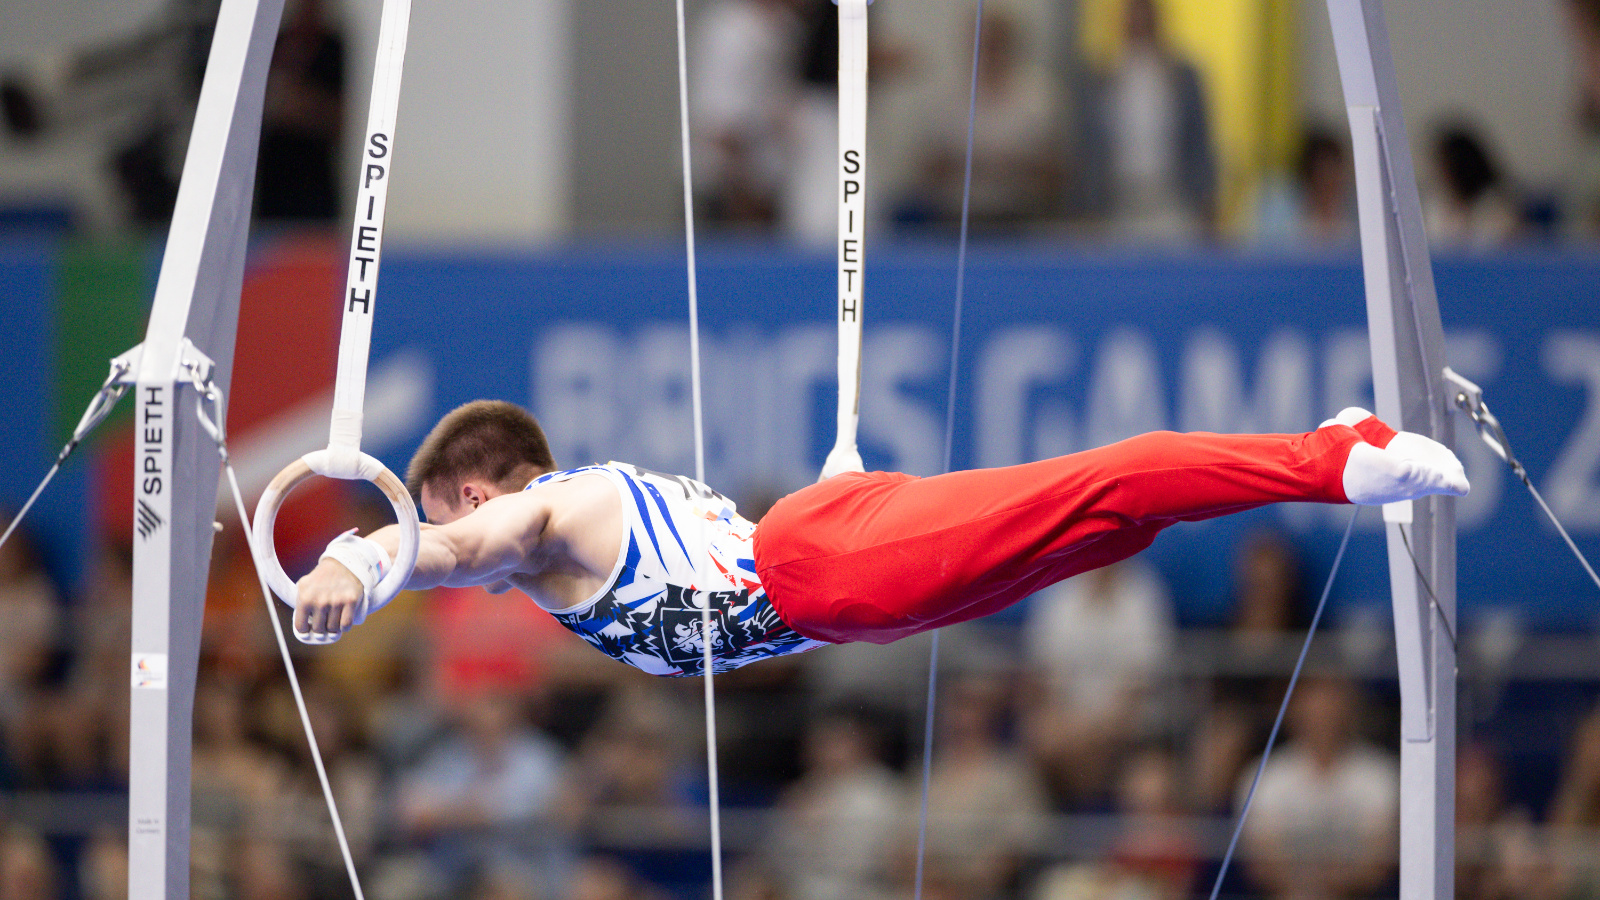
1122,149
1088,746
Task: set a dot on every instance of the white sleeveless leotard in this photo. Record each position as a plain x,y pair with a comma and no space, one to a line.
686,546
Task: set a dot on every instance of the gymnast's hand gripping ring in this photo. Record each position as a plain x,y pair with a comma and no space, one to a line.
367,468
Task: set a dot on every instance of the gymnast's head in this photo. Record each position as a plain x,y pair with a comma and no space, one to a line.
477,452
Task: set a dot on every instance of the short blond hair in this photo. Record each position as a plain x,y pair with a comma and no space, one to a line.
490,439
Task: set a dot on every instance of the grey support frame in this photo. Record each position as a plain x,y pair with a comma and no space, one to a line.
1408,367
193,322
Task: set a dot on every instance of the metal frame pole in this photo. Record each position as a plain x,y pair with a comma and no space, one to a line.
1408,367
195,315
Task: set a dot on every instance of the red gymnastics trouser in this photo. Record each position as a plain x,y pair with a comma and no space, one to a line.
880,556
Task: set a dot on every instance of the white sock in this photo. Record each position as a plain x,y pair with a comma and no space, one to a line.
1407,469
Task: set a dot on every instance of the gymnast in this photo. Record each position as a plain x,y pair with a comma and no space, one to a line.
628,558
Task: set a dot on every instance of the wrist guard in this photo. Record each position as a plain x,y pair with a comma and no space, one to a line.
366,559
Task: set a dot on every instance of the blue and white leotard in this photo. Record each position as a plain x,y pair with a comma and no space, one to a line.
686,546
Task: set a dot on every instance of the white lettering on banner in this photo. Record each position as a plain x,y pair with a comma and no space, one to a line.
803,372
661,417
1013,364
1346,370
908,428
1036,392
1127,395
1212,394
575,391
1574,494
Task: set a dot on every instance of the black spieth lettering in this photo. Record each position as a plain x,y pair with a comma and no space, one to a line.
847,310
374,173
852,247
153,437
852,162
851,186
380,149
364,234
365,300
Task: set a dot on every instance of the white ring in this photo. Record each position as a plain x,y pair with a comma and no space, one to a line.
320,462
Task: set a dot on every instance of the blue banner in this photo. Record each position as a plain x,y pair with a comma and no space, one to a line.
1058,352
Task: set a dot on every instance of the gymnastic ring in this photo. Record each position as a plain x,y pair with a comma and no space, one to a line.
320,462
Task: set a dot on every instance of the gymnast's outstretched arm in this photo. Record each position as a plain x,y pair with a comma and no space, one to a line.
494,541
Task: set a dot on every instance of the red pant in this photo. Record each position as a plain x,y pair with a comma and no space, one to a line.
881,556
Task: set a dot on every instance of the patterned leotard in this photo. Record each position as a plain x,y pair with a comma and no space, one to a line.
686,546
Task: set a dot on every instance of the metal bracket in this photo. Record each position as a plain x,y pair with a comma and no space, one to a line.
1468,398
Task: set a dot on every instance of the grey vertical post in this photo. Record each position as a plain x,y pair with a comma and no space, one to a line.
176,464
1408,365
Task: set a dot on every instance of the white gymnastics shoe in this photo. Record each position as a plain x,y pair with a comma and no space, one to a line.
1411,466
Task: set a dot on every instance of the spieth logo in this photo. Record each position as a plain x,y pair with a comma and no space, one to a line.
146,519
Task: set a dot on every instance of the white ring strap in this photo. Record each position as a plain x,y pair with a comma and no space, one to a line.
844,457
343,458
366,239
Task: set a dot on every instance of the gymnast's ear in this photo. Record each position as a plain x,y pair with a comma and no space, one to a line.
474,492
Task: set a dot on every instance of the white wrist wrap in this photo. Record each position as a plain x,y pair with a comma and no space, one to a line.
365,558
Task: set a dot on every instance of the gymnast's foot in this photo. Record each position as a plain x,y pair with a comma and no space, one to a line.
1390,466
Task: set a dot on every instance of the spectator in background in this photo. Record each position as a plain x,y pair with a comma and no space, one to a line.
354,775
1155,855
27,870
1575,810
240,786
1583,189
632,776
1016,172
302,119
1319,207
483,799
1500,855
1147,165
744,84
103,865
605,878
833,830
809,210
985,804
1471,205
1102,643
102,619
1324,820
1269,605
30,607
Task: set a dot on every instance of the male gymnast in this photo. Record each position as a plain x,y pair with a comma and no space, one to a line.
628,558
